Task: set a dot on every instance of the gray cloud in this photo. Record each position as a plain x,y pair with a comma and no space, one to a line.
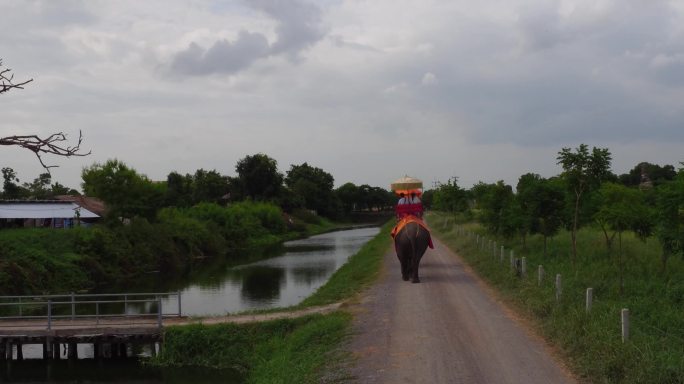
223,56
298,26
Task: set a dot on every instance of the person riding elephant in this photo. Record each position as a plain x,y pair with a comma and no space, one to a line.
410,242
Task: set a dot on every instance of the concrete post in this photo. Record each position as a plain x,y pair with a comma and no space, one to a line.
559,289
625,324
590,294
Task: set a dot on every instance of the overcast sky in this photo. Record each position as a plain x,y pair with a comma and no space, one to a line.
367,90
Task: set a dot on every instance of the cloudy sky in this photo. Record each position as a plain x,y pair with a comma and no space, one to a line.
368,90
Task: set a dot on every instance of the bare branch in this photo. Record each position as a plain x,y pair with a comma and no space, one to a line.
52,144
6,80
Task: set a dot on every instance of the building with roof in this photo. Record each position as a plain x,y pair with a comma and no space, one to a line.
44,213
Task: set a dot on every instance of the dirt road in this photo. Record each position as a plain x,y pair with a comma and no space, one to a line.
447,329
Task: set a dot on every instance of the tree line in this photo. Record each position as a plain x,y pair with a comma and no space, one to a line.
129,193
648,201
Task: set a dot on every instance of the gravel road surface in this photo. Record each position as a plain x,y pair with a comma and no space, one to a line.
447,329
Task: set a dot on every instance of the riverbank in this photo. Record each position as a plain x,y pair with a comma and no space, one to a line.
285,350
178,241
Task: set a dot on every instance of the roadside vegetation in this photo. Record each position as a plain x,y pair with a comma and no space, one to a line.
621,236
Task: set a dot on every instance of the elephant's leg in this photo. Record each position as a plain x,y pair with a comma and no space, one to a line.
404,268
414,270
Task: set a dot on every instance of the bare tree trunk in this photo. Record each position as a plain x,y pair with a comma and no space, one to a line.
609,238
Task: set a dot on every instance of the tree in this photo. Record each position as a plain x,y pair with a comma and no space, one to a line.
495,201
653,173
52,144
526,196
208,186
11,190
583,171
258,177
59,189
7,80
314,185
127,193
670,215
178,190
450,197
548,208
349,195
40,187
623,209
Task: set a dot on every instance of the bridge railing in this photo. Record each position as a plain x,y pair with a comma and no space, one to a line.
15,309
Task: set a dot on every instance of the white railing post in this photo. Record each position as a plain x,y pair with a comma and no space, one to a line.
590,294
179,304
49,315
73,306
559,289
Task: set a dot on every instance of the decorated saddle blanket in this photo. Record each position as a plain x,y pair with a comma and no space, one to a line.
411,219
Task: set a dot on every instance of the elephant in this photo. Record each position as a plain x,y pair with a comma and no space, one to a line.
411,242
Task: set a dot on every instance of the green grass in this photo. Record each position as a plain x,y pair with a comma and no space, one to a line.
279,351
592,342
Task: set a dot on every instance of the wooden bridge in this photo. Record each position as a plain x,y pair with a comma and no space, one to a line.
110,322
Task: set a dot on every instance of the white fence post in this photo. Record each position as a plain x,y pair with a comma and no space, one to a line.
625,324
559,289
540,275
590,298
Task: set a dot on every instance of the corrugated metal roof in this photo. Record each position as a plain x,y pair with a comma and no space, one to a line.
43,211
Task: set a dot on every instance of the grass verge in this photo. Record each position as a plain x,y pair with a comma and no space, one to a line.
591,341
278,351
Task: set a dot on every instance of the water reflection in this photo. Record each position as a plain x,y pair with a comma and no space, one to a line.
284,280
261,284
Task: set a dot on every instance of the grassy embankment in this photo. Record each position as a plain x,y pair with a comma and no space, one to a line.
45,260
591,342
282,351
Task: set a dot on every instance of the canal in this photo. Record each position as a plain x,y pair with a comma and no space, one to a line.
291,274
